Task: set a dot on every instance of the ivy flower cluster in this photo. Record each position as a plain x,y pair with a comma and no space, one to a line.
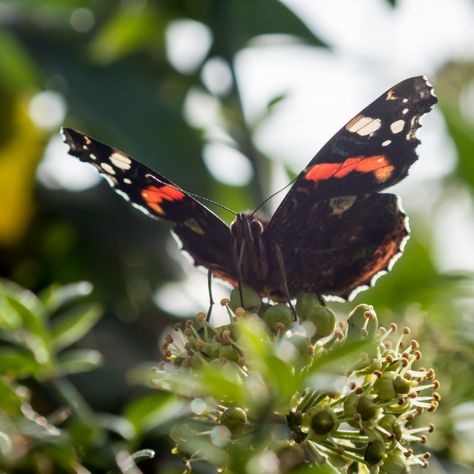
269,394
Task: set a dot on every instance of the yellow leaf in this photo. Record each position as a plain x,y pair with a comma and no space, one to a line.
19,156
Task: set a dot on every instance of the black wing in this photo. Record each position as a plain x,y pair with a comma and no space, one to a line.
342,244
202,234
344,232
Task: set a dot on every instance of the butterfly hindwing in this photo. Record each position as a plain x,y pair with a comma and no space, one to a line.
342,243
202,234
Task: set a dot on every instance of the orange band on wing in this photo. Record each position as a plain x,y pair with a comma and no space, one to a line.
379,165
154,196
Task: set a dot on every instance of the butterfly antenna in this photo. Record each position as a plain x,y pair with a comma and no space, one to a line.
212,202
271,196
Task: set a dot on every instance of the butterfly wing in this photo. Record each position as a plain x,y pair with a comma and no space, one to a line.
202,234
342,244
373,151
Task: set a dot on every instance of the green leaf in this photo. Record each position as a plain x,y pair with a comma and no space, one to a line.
247,19
340,356
74,324
36,337
254,338
17,69
73,362
10,401
18,364
116,424
315,469
57,296
154,410
126,32
224,384
9,318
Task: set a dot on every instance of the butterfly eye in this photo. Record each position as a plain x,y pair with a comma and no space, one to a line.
257,228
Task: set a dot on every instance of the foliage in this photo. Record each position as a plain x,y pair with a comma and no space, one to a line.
35,355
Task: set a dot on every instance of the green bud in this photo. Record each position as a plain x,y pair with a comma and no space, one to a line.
384,386
401,384
323,319
228,352
358,320
233,418
367,408
322,420
395,463
304,304
252,300
276,315
392,425
350,405
375,452
196,362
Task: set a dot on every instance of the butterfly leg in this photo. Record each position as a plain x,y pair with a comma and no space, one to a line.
209,287
321,299
239,271
281,266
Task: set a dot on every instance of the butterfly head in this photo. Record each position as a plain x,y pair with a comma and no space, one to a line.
247,227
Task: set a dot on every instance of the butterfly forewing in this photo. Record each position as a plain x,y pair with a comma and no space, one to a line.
203,235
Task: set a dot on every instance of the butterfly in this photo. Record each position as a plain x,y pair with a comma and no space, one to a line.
334,232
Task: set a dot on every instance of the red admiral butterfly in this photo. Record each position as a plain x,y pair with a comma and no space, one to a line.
333,232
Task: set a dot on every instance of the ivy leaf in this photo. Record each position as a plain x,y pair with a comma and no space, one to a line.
73,325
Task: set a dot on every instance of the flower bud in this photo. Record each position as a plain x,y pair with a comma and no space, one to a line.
251,298
402,385
233,418
362,316
395,463
278,317
322,420
367,408
350,405
228,352
375,452
384,386
392,425
304,304
323,319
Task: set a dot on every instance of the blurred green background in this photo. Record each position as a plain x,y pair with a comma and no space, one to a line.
229,99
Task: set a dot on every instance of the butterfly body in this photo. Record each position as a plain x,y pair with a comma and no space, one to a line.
333,233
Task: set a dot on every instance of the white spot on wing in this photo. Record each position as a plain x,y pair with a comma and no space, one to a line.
124,195
386,142
127,181
363,125
397,126
92,156
390,95
120,160
405,111
108,168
